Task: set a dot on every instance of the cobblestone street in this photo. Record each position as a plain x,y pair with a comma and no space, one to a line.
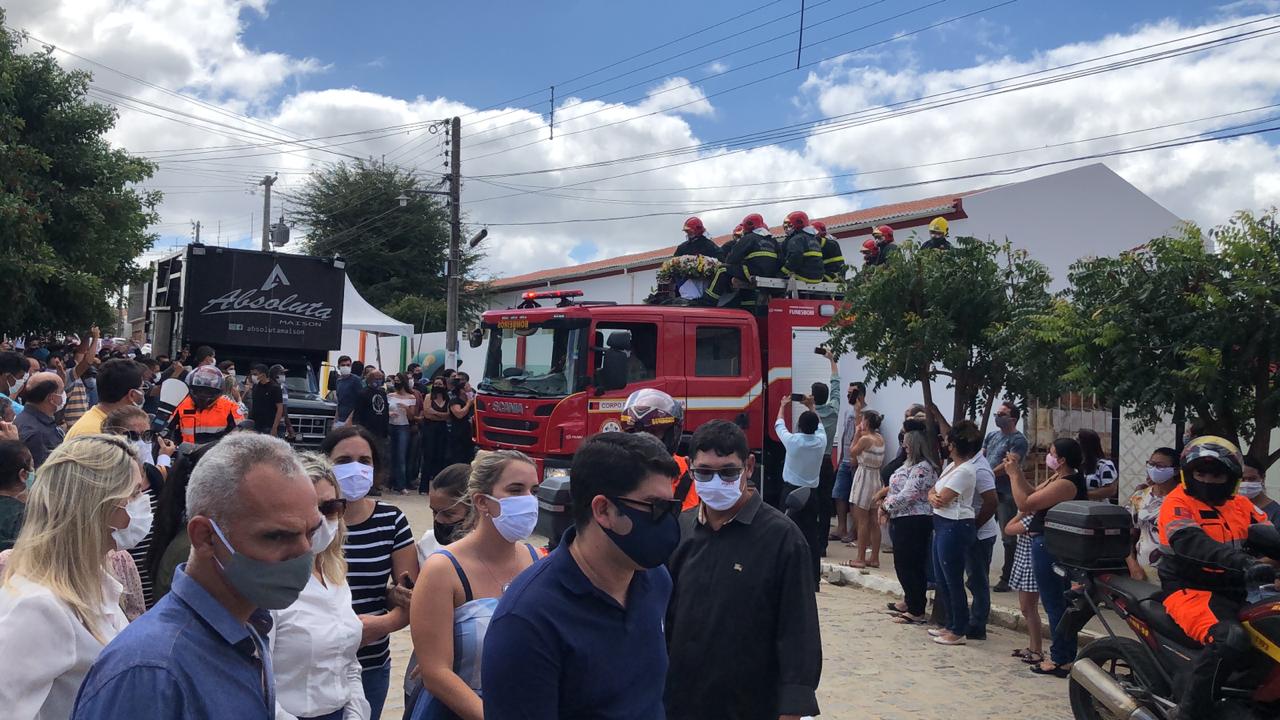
873,668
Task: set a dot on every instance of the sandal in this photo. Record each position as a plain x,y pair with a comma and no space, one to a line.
905,619
855,564
895,607
1057,671
1029,656
835,536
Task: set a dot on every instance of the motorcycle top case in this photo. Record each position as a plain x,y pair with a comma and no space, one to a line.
1088,534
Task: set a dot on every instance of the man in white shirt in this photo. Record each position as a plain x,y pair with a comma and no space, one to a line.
806,451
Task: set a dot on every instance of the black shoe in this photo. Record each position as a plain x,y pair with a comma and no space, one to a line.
374,493
976,636
1002,586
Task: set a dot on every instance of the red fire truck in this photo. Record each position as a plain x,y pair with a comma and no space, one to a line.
545,386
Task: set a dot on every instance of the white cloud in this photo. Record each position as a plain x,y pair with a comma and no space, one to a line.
1202,182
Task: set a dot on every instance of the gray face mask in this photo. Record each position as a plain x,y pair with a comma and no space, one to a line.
270,586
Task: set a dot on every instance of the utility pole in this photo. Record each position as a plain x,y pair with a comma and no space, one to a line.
197,232
455,240
267,182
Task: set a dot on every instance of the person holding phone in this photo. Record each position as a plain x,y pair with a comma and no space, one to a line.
801,469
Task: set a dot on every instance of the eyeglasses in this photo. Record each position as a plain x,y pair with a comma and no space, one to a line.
333,508
709,474
657,508
133,435
1153,465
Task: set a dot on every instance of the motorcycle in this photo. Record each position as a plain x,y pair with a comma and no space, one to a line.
1117,677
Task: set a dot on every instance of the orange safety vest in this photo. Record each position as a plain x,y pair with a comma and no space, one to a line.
691,499
203,426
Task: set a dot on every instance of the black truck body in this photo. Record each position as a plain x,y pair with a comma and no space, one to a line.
254,307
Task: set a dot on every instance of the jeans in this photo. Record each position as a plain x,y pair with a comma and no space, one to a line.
844,482
1005,510
826,505
952,540
806,518
376,682
911,537
978,569
399,436
1053,589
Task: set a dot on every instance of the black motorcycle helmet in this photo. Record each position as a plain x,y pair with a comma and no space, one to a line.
1216,455
655,412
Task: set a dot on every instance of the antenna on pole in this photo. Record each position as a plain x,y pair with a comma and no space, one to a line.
553,112
800,43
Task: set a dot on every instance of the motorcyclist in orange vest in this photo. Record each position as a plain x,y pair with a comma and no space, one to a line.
652,411
1206,530
205,414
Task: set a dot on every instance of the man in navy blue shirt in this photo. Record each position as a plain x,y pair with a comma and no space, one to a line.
346,391
202,652
579,635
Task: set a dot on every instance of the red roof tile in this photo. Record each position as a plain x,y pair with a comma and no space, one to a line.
653,258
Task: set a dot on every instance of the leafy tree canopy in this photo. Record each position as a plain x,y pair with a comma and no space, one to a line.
1177,328
71,222
396,256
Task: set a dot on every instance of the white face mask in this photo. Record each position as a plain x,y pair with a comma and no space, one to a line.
720,495
518,518
324,535
140,518
145,453
1251,488
60,401
1161,475
355,479
16,387
344,370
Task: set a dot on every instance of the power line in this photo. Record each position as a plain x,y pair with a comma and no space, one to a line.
899,186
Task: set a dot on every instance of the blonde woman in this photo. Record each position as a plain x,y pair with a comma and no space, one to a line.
314,640
460,586
59,605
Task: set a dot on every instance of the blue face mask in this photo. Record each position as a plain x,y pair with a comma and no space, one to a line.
650,542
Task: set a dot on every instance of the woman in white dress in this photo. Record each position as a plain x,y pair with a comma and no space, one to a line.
868,447
59,604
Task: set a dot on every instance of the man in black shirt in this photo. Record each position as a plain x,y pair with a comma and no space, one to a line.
742,625
371,408
266,406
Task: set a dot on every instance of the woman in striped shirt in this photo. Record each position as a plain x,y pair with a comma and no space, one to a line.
378,547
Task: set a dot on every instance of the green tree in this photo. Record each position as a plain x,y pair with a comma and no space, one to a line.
962,314
1176,328
396,256
71,224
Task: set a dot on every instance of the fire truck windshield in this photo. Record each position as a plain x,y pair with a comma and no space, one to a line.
540,360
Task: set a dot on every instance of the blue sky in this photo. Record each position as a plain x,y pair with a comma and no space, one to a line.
317,68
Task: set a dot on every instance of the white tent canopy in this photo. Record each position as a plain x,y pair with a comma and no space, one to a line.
358,314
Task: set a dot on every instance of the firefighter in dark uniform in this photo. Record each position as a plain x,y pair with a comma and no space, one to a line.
727,249
937,235
1205,530
833,265
696,241
755,255
802,250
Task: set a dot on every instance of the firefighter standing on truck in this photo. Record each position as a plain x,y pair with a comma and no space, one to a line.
696,241
652,411
833,265
802,250
1205,530
755,255
205,414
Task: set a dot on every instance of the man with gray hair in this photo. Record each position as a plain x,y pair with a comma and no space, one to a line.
201,652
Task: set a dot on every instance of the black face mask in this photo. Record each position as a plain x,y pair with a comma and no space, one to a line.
1212,493
650,542
446,532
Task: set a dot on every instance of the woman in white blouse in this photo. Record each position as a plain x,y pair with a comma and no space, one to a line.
954,532
314,640
59,605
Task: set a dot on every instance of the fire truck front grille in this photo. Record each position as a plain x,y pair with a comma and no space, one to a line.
509,438
511,424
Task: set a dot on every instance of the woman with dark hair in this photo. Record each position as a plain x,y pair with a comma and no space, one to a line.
1099,473
378,547
402,413
169,542
905,506
868,448
435,431
1065,483
15,469
954,532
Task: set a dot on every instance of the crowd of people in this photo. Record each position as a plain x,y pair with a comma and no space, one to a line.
806,252
230,575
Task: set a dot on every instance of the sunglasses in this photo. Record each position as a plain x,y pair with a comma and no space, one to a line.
333,508
657,508
708,474
133,436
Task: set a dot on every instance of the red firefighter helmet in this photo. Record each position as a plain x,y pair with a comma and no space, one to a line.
754,221
738,232
820,226
884,233
652,411
796,220
695,226
870,246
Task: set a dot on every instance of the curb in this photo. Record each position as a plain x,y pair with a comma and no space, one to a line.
1009,618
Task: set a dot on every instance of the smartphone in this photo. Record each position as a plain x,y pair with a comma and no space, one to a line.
819,350
797,397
